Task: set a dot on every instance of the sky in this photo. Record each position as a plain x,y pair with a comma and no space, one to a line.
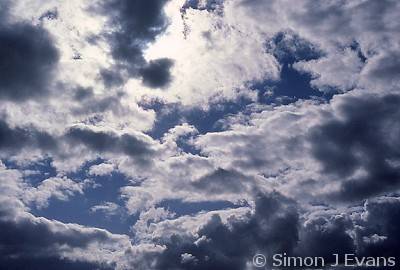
195,134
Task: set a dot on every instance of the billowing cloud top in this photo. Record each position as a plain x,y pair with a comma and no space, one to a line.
173,134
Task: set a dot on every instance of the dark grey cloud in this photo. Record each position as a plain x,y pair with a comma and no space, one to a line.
136,23
15,139
156,73
28,58
107,142
272,228
141,20
362,137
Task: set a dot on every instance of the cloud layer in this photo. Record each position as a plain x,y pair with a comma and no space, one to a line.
194,134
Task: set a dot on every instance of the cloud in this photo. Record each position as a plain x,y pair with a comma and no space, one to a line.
156,73
377,233
356,145
263,144
255,175
332,27
366,231
275,226
288,47
342,151
101,141
382,71
28,59
320,230
60,188
15,184
222,181
209,5
223,57
133,25
149,220
49,15
27,241
14,139
82,93
108,208
339,71
219,245
101,169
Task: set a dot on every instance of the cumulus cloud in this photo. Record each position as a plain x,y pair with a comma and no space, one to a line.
209,130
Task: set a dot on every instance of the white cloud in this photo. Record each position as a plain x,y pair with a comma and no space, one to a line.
340,70
264,148
108,208
101,169
222,58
